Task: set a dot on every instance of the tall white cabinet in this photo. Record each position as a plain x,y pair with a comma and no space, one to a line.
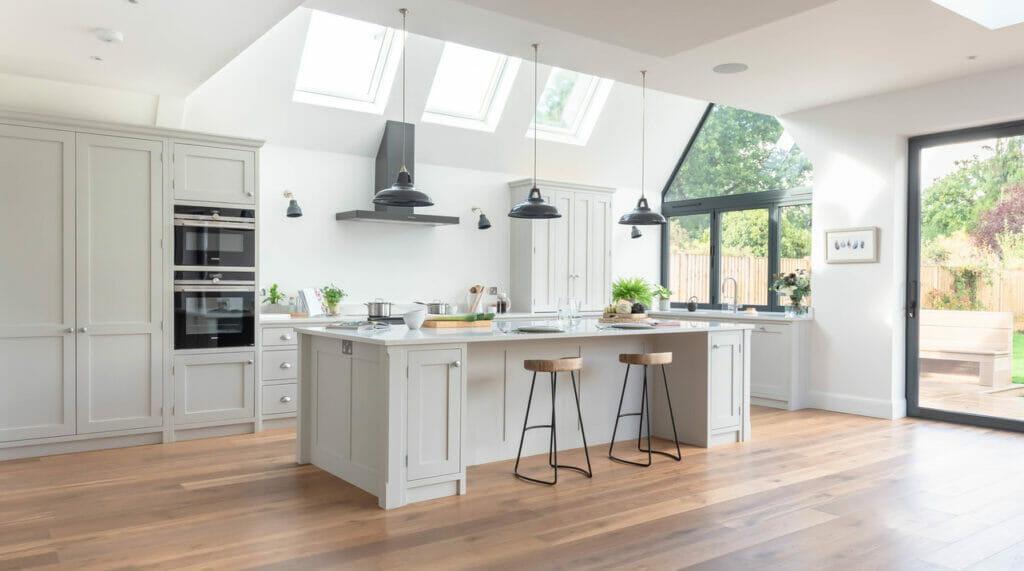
562,257
86,305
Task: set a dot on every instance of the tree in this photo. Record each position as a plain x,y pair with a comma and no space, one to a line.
745,233
1005,218
738,151
795,229
958,200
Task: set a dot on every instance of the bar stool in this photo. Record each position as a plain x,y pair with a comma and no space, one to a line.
553,366
646,360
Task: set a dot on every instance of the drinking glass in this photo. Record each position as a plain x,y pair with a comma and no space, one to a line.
575,316
563,310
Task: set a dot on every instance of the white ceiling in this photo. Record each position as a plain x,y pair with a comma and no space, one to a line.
170,46
801,53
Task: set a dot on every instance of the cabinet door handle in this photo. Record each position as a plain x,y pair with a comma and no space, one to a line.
286,337
250,193
286,365
716,346
83,329
249,362
456,364
286,399
69,330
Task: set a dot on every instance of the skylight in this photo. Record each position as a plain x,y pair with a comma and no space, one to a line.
993,14
347,63
569,106
470,88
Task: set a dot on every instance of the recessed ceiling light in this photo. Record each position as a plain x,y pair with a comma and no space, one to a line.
993,14
972,58
95,58
730,68
109,36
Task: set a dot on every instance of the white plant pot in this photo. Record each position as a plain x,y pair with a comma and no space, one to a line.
665,304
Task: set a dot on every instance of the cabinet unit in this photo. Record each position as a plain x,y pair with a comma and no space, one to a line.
434,405
37,308
779,356
212,387
726,381
562,257
213,174
279,369
120,279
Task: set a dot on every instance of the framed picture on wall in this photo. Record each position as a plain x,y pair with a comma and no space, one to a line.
851,245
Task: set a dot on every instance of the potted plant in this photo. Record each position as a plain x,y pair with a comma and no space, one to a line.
796,286
332,295
273,299
633,290
664,296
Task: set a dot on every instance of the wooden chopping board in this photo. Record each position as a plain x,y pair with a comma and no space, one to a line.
445,324
623,318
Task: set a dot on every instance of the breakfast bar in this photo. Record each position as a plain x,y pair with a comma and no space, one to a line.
401,413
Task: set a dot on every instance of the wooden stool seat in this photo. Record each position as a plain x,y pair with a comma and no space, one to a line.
562,365
645,358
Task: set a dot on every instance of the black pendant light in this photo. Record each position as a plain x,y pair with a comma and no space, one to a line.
403,193
534,207
642,215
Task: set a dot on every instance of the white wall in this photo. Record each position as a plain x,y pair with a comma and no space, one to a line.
859,151
49,97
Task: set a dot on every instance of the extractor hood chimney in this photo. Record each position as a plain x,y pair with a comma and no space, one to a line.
389,161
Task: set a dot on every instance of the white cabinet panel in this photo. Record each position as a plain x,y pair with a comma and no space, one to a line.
278,337
279,399
726,381
120,279
209,174
37,307
434,413
771,369
214,387
591,278
279,365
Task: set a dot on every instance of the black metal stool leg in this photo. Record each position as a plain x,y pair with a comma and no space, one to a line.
678,455
553,450
526,418
579,414
553,440
620,414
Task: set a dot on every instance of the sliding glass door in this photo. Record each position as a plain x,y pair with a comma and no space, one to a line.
965,276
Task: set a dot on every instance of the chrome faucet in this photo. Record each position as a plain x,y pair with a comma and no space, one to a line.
732,306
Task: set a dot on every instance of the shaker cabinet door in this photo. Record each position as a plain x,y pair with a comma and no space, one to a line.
209,174
214,387
120,281
37,305
434,413
726,381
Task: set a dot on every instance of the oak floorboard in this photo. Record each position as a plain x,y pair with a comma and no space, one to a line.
812,490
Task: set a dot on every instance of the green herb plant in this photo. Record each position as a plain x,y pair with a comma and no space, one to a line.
662,292
274,296
632,289
333,294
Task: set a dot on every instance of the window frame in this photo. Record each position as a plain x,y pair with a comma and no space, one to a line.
580,128
503,77
389,57
715,206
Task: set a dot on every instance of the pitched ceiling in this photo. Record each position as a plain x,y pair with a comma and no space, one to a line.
801,53
170,46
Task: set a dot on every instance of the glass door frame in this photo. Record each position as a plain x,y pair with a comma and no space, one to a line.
915,145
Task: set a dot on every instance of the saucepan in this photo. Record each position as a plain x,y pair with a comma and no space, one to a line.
438,308
378,308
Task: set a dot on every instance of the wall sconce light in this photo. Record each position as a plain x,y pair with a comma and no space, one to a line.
635,233
484,223
293,206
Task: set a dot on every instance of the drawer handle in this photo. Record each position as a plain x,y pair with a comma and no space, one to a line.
286,399
249,362
456,364
286,365
286,337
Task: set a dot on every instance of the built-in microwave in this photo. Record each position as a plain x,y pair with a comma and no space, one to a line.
210,236
207,316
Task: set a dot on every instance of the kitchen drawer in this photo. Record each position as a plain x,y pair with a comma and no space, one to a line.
278,399
278,337
279,364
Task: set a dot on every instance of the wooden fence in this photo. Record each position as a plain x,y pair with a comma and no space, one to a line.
690,275
1004,293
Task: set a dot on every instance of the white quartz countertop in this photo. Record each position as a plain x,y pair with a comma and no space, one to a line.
720,315
288,321
506,332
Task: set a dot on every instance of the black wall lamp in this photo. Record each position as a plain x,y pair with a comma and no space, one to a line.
484,223
293,206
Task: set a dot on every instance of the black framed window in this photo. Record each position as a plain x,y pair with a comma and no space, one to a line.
738,205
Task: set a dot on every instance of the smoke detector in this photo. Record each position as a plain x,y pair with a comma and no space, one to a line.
109,36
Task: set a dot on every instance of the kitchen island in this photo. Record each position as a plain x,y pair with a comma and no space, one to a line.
401,413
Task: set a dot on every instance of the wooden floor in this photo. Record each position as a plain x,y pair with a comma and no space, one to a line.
813,490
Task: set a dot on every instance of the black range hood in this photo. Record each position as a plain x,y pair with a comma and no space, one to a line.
389,162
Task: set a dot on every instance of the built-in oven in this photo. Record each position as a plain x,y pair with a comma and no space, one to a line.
215,314
211,236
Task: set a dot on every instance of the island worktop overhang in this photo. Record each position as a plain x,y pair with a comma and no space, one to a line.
401,335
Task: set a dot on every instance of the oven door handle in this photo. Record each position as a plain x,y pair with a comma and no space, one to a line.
213,288
215,224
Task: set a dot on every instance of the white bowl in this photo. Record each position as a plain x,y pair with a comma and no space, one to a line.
414,319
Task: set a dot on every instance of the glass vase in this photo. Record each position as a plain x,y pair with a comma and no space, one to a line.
796,308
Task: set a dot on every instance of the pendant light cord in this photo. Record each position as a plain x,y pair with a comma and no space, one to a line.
405,126
643,129
535,47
